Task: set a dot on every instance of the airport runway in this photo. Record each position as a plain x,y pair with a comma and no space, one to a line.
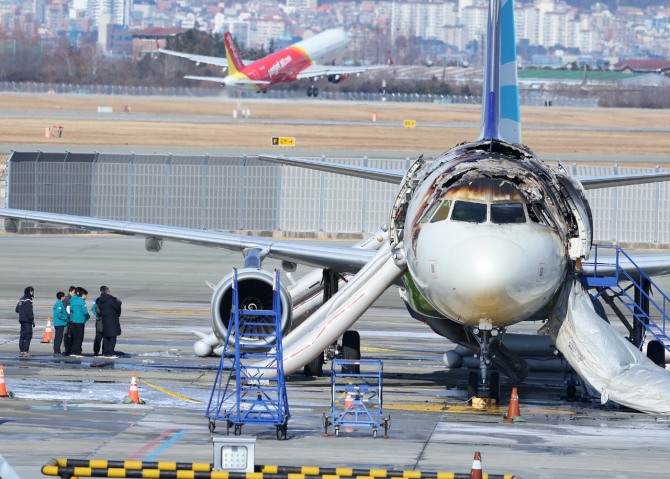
73,408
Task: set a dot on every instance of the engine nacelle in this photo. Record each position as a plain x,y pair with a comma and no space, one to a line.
337,78
255,289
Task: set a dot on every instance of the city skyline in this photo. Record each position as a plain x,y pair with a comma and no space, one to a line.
377,27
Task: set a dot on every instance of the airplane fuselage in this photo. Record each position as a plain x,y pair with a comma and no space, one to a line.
487,235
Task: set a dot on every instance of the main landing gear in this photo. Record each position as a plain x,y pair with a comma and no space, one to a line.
313,91
485,383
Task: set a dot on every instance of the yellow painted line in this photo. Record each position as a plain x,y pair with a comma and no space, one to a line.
498,410
381,350
169,393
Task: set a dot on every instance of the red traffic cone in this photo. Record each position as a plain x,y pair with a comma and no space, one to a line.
476,471
3,388
48,332
513,410
133,394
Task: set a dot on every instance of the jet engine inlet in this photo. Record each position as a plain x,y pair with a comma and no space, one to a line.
255,292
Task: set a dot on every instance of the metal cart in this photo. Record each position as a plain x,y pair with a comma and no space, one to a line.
356,390
241,394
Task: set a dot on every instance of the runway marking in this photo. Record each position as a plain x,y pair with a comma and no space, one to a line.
150,445
167,444
169,393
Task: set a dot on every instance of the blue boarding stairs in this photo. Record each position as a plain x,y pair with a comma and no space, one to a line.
639,296
250,387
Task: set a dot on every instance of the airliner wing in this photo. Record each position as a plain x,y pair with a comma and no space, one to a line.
595,182
386,176
342,259
207,60
239,81
318,70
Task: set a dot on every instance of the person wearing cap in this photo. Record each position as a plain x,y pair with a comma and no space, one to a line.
27,321
78,317
110,311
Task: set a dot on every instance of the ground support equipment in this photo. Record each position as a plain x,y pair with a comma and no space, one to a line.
249,387
357,399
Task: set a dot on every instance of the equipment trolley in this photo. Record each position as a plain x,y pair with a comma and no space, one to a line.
357,400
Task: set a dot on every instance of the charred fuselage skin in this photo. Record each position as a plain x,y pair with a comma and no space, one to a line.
487,234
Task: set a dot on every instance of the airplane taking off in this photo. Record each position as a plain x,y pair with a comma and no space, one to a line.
306,59
479,239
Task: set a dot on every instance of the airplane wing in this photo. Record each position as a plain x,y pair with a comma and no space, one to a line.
595,182
386,176
207,60
341,259
239,81
318,70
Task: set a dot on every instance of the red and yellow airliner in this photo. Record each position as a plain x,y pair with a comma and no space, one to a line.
308,58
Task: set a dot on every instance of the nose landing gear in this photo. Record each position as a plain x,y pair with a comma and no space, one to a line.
484,384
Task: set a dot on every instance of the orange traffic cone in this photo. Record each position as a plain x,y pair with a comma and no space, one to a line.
3,388
48,332
133,394
476,471
348,403
513,413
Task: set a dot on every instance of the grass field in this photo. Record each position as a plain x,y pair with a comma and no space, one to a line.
555,130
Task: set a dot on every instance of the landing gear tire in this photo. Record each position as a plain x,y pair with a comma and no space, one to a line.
314,368
281,432
351,351
494,386
313,91
238,430
656,352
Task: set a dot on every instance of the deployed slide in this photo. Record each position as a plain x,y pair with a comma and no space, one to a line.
605,359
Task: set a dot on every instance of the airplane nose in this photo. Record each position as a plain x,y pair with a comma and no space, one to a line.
495,277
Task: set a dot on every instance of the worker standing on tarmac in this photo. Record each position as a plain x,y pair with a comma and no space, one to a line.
60,321
27,321
78,317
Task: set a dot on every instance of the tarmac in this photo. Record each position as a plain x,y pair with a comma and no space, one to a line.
74,408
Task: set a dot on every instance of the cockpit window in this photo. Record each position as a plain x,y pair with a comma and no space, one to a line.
426,216
469,211
503,213
442,213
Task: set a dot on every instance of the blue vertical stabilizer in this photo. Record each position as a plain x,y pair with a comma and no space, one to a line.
500,96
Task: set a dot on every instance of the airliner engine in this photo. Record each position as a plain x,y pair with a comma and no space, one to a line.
337,77
255,292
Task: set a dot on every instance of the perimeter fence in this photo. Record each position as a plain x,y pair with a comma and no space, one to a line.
526,97
245,194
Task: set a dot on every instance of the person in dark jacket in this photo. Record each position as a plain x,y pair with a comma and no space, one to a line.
110,311
27,320
97,342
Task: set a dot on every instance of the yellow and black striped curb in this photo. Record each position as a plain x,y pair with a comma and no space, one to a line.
67,468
